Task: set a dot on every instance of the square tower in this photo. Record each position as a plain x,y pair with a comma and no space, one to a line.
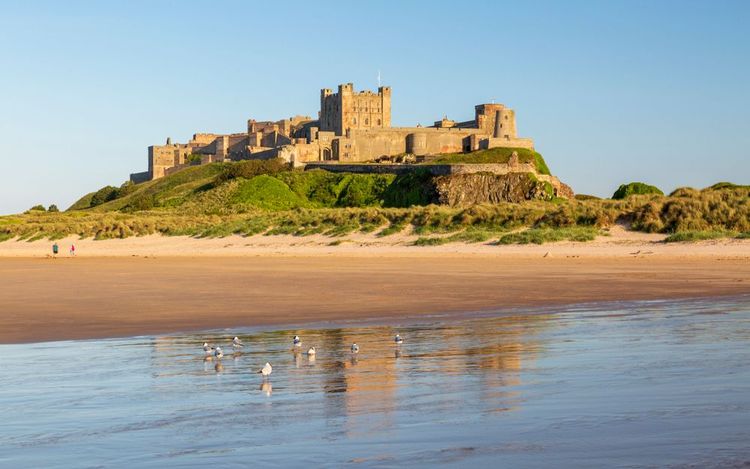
346,109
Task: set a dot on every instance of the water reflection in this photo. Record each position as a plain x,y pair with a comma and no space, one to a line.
482,390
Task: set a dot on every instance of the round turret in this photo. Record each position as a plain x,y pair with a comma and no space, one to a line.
416,143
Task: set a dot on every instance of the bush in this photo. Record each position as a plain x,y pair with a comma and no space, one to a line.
53,208
126,188
416,188
688,192
633,188
433,241
727,185
548,235
251,168
364,190
140,203
690,236
105,194
37,208
318,187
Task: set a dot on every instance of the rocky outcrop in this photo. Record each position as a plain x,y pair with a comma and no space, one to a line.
564,190
482,188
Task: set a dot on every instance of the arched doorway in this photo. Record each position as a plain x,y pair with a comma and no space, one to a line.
327,154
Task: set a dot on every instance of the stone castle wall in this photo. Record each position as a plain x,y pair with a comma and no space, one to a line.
352,127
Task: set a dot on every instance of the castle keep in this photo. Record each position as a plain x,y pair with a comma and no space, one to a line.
351,127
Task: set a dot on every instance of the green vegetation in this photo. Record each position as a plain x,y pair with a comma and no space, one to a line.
37,208
549,235
728,185
410,189
251,168
698,236
267,193
635,188
586,197
266,197
53,208
494,155
323,189
469,235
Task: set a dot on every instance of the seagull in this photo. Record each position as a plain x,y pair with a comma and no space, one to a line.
237,343
311,351
355,348
398,339
266,370
218,353
297,342
207,349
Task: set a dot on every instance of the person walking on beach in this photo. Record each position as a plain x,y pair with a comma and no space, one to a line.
72,249
55,249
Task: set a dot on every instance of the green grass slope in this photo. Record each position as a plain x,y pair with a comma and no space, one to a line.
494,155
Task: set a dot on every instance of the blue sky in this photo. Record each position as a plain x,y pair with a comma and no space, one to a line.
610,91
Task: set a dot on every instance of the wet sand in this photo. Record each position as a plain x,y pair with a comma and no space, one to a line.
75,298
643,384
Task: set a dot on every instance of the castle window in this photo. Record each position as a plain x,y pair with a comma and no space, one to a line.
355,120
378,121
367,121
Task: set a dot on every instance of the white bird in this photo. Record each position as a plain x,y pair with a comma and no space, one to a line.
237,343
355,348
266,370
218,353
398,339
297,342
311,351
207,349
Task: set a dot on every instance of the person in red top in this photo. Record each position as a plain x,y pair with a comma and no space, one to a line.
72,250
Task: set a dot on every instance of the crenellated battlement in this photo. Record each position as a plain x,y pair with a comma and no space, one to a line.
352,126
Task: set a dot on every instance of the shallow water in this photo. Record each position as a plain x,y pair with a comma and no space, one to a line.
640,384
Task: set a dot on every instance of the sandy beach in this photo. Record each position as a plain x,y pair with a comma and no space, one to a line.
158,284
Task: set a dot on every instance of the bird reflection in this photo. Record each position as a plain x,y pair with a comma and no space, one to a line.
266,388
397,353
218,367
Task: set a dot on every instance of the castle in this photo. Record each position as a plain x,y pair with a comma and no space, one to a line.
351,127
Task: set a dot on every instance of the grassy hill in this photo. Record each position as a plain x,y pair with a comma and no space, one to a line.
270,186
265,197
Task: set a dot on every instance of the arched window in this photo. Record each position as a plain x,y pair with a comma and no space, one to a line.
378,121
355,120
367,121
